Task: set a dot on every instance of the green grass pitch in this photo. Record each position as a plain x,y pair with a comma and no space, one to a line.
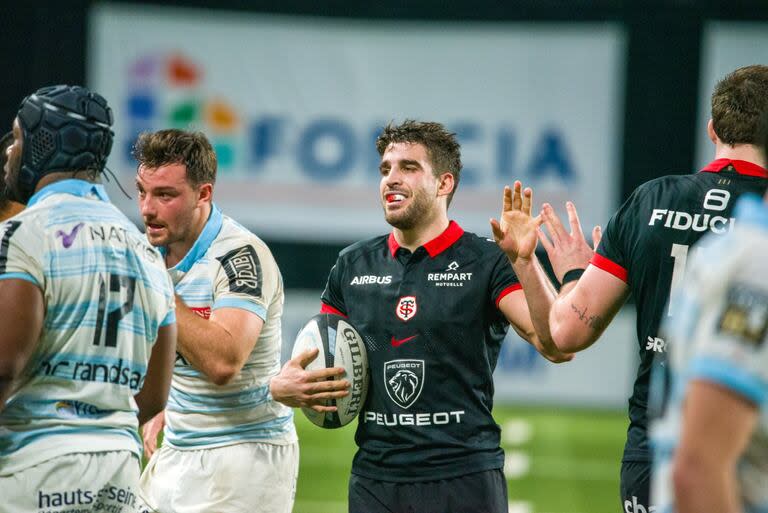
557,461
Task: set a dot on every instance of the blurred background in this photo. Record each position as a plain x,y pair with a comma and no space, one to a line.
582,100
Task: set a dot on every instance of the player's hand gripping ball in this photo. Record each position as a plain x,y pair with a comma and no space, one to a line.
339,345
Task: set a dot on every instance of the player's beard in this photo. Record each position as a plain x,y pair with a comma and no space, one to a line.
412,215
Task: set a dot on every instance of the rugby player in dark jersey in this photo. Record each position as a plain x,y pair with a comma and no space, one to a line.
644,250
433,304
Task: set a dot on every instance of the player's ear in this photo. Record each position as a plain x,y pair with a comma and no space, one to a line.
446,184
205,193
711,132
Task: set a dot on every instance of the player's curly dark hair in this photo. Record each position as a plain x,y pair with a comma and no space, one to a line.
443,149
738,101
173,146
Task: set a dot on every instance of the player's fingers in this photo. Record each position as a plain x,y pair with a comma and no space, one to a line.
554,225
324,374
506,201
573,220
498,235
548,247
597,235
328,395
547,216
527,200
329,385
517,196
306,357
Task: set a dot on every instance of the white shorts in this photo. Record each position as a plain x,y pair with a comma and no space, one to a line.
89,482
244,478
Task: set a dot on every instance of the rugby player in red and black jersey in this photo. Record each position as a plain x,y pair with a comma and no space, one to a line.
644,250
433,304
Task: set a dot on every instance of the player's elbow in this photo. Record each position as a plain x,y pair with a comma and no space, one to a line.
223,373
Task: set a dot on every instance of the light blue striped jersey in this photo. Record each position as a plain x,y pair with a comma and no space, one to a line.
229,267
721,336
106,293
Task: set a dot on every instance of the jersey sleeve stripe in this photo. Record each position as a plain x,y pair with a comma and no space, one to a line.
241,304
169,319
724,373
20,276
326,308
609,266
506,291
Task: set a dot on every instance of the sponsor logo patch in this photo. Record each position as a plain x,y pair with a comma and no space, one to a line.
371,279
404,380
745,316
406,308
243,270
67,239
449,277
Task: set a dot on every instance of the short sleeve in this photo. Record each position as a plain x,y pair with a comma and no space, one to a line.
503,278
19,245
332,297
247,278
727,319
613,254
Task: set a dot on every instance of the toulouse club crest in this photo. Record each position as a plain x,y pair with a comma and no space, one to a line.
406,308
403,380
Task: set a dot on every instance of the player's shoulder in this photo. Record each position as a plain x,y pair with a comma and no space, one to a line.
364,247
233,236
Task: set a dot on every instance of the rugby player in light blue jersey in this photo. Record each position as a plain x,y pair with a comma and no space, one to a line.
228,447
711,445
87,331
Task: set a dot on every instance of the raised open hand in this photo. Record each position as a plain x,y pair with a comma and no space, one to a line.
516,231
566,250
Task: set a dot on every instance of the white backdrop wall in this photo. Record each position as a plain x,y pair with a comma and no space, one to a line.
293,106
725,47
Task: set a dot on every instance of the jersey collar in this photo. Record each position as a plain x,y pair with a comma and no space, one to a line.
751,209
742,167
210,231
437,245
71,186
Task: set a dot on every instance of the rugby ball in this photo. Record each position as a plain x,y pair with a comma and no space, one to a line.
339,345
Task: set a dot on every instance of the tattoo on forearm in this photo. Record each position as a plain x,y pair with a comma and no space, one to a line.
593,321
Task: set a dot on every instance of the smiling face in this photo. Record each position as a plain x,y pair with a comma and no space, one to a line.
411,194
173,210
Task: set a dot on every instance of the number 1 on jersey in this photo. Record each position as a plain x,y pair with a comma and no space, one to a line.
680,255
123,287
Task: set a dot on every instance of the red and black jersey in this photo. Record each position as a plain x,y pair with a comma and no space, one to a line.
433,331
646,244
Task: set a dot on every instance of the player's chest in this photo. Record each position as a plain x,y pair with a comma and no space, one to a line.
417,292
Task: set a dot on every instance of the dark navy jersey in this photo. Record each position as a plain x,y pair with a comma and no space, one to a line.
646,244
433,331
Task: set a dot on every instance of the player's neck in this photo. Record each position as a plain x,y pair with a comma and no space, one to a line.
10,209
177,250
748,152
420,235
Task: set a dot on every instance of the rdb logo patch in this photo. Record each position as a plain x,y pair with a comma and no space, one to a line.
243,270
406,308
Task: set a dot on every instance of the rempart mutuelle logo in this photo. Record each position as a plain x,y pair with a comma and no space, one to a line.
168,91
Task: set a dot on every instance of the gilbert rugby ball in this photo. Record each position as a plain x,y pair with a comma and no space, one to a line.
340,345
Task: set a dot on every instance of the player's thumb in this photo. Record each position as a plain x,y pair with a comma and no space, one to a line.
306,357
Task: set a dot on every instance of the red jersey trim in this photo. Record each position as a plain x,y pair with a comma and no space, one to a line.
742,167
609,266
437,245
328,309
507,291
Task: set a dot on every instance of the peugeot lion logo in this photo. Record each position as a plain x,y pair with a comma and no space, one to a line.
404,380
